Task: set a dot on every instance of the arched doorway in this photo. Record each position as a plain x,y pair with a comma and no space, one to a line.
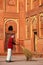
10,28
34,40
34,33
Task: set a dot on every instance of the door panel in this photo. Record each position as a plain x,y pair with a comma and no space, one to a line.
35,41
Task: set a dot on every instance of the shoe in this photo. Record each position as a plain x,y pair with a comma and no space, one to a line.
8,61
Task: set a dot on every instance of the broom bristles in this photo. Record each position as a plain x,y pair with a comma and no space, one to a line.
27,53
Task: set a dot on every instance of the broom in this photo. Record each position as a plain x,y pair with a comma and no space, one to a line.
27,53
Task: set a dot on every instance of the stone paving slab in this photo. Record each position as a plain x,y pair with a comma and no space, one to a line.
21,60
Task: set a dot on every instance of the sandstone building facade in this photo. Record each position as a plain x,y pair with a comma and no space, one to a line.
23,18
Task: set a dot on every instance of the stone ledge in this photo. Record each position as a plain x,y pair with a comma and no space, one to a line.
38,55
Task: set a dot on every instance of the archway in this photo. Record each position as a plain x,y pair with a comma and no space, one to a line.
10,28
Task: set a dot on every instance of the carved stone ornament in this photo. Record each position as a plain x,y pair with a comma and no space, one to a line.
11,2
41,19
34,21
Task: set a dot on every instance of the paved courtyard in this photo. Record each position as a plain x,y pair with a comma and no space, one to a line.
21,60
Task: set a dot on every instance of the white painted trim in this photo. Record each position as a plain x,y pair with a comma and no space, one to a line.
16,21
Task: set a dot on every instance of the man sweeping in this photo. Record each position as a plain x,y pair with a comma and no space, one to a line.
10,47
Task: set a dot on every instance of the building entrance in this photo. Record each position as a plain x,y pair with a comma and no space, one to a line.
35,41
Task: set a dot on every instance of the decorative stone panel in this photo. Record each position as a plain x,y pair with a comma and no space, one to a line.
12,6
41,25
